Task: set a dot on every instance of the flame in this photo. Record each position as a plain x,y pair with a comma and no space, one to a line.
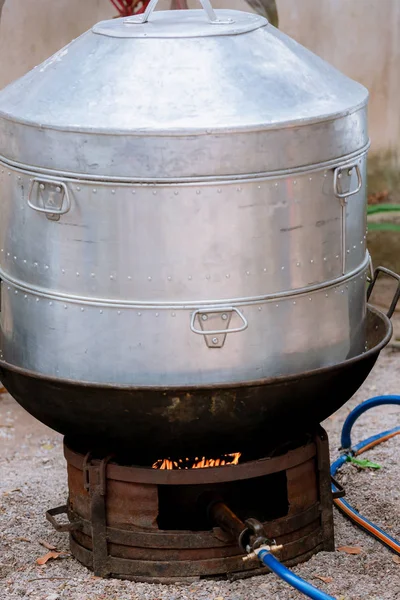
197,463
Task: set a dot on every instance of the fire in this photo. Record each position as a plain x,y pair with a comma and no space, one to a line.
197,463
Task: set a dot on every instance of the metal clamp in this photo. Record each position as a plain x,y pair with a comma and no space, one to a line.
337,177
61,527
396,296
339,492
153,3
225,310
59,188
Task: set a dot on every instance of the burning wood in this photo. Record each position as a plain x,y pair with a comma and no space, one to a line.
197,463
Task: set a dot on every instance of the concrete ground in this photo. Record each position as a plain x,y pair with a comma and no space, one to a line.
33,479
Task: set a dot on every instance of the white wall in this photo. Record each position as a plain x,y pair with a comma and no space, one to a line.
360,37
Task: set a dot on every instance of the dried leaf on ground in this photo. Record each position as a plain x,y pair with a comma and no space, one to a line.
47,545
22,539
350,549
324,579
396,559
50,555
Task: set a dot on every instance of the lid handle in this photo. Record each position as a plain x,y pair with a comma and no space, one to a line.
153,3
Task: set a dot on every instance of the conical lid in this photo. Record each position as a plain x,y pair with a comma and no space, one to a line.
186,94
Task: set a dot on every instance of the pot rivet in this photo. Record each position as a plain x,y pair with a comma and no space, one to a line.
58,189
113,191
204,317
41,186
50,303
312,260
173,315
139,314
227,275
157,314
111,276
247,272
65,306
92,275
176,192
149,278
94,191
118,312
101,312
78,189
169,278
215,340
224,317
259,308
62,270
190,278
297,264
197,192
16,292
82,309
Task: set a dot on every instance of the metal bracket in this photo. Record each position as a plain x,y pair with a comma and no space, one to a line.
61,527
95,482
340,489
214,324
51,198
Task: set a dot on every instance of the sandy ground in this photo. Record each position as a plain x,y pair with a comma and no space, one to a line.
33,479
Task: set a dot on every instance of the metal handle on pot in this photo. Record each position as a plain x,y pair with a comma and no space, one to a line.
336,177
397,293
226,309
60,188
153,3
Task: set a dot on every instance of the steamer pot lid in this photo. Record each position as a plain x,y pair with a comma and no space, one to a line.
181,97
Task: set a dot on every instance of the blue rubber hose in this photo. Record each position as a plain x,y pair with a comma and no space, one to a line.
358,411
294,580
349,451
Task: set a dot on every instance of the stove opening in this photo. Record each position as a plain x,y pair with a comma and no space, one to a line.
197,462
264,498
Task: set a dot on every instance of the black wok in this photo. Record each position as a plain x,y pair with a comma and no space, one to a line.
154,423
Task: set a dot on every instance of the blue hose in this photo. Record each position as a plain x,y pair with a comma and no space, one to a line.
356,450
294,580
358,411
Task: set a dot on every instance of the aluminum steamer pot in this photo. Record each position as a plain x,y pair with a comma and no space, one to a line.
182,203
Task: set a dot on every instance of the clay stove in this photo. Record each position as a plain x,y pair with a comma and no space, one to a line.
182,524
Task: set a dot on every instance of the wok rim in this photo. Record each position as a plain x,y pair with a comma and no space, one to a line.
375,350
